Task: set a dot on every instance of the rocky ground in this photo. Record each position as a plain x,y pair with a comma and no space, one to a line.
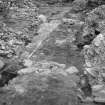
52,52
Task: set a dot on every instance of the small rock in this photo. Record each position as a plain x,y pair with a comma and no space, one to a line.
28,62
27,70
60,42
86,46
99,99
43,18
72,70
88,64
97,87
91,71
97,41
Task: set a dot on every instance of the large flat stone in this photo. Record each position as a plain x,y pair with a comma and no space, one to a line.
72,70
